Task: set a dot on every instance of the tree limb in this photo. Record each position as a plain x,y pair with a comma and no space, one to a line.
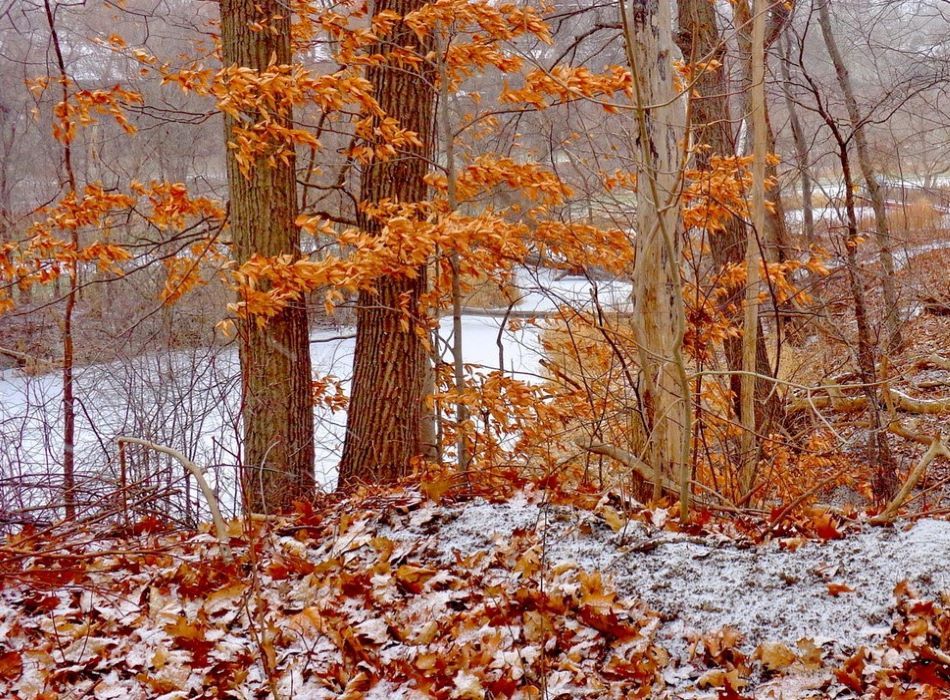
220,526
937,448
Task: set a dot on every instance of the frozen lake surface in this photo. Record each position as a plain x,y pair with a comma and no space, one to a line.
189,399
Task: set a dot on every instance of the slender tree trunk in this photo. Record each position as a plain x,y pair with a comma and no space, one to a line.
277,407
659,317
892,320
775,223
750,448
69,398
448,149
801,145
386,415
711,124
885,477
879,451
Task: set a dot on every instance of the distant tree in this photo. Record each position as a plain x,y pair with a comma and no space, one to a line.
892,320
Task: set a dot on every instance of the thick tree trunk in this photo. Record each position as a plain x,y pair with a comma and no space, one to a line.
711,124
386,418
658,313
892,320
277,406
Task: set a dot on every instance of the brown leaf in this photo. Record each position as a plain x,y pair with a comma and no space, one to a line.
11,665
809,654
775,656
413,578
836,589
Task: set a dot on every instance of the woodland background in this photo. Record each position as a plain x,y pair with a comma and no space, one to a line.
469,349
492,179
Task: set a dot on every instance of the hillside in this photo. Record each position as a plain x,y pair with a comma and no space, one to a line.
398,596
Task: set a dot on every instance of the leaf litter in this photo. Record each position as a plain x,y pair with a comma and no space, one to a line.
398,596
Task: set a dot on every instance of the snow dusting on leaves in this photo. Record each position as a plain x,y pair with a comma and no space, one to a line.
397,596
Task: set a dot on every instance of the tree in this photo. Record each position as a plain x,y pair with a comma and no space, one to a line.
750,452
711,122
659,318
69,398
384,431
277,406
882,233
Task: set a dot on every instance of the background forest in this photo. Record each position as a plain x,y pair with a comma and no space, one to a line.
266,257
438,261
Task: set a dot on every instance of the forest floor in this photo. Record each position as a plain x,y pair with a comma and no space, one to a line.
397,595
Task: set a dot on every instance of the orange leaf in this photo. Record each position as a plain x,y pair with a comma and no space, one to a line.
836,589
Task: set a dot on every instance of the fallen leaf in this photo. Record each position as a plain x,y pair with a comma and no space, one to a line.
775,656
11,665
836,589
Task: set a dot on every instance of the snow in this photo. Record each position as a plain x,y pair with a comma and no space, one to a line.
768,593
189,400
836,215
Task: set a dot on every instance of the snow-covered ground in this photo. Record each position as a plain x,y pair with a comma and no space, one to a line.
401,597
189,399
832,214
769,593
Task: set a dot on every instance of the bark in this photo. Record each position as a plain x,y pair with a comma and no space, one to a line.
711,124
69,398
659,317
277,404
775,224
885,479
385,425
801,145
448,151
750,449
892,320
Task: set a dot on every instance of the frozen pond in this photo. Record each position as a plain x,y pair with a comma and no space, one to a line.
189,400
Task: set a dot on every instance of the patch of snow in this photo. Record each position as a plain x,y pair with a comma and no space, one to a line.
702,585
189,400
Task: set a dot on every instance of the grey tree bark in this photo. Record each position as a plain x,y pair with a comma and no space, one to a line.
892,320
659,319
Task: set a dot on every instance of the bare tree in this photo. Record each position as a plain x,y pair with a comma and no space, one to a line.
892,320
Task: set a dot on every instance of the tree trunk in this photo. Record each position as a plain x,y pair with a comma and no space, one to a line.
277,405
801,145
750,444
879,452
385,424
711,124
884,483
458,360
658,314
69,397
892,321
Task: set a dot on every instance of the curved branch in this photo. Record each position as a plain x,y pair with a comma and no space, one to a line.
219,525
